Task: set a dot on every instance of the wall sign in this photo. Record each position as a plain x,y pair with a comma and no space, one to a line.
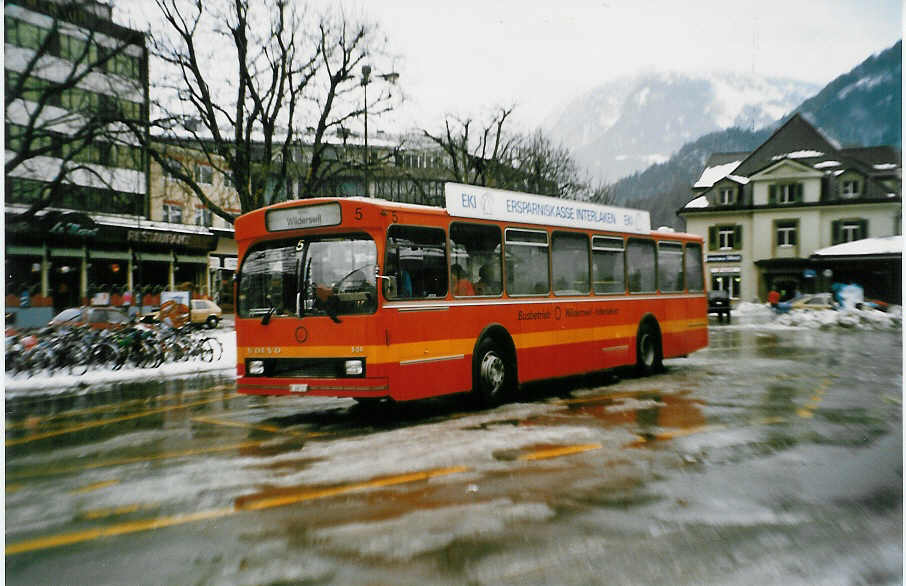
723,257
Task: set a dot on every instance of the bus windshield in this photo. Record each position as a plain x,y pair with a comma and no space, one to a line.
318,276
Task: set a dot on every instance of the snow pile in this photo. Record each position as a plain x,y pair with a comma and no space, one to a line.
862,319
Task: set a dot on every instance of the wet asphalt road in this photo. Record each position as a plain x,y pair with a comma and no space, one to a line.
772,457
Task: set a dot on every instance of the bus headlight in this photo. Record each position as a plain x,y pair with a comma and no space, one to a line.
256,367
354,367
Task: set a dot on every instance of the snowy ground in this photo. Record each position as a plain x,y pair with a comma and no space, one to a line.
745,315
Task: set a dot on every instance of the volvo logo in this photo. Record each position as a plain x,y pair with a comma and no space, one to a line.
301,334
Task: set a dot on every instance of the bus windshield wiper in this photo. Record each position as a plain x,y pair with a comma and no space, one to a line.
267,316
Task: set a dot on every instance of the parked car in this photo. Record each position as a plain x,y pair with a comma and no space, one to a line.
813,301
205,312
719,303
100,317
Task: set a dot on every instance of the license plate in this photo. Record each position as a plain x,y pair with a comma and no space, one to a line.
298,388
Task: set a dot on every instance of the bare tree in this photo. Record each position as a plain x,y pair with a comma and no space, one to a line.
276,72
59,132
481,157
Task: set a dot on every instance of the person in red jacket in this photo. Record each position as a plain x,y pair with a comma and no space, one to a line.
462,287
774,298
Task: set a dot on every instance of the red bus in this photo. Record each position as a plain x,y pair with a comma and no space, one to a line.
370,299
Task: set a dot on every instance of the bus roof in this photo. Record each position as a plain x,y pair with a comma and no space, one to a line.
485,203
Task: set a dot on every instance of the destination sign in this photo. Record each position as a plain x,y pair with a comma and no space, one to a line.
470,201
298,218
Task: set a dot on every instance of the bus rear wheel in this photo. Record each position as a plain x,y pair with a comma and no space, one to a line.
493,374
649,354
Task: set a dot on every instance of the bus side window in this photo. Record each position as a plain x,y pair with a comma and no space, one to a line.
695,274
527,262
608,265
642,266
570,263
670,266
475,248
416,263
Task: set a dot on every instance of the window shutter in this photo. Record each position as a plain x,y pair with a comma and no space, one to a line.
863,229
772,194
794,235
737,237
712,237
799,191
836,236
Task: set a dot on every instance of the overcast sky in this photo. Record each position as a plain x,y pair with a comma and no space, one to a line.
468,56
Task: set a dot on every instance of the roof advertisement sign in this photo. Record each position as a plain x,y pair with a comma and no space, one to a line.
470,201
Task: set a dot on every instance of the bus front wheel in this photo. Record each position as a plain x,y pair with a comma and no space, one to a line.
649,355
493,375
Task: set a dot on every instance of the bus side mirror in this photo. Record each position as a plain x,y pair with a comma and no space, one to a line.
389,286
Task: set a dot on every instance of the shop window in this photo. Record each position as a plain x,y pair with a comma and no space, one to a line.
527,265
730,282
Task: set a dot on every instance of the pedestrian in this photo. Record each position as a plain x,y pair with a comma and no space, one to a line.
774,298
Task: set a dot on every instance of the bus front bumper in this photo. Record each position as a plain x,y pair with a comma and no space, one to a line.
323,387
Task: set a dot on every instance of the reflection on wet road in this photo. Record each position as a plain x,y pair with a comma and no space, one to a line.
753,459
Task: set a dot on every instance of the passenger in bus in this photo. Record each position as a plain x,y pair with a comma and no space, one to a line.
401,286
487,284
462,287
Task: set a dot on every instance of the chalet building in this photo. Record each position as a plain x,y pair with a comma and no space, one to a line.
769,217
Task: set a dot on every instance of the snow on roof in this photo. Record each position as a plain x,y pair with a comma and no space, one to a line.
798,155
885,166
699,202
866,246
825,164
713,174
739,179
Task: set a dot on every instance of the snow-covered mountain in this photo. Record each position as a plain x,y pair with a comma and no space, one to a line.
630,123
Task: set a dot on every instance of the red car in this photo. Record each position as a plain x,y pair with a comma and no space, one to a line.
94,317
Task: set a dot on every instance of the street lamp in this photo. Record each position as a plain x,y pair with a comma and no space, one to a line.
366,79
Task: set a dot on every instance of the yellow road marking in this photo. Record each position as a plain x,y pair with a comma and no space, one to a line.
95,486
136,460
121,529
265,503
113,407
557,452
93,424
807,412
312,494
270,428
94,514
